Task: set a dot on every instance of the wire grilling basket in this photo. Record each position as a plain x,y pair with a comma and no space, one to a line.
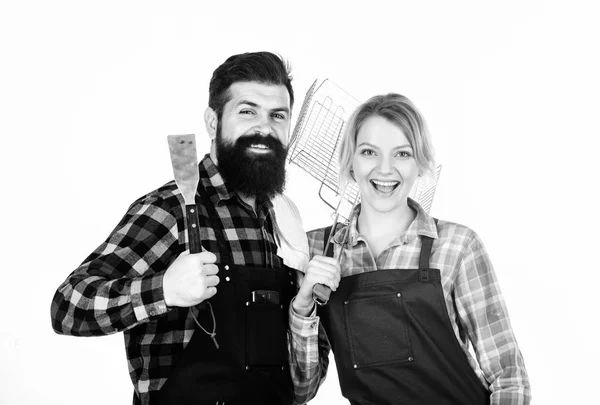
314,148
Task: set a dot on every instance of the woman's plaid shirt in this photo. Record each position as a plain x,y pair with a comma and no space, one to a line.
119,286
472,295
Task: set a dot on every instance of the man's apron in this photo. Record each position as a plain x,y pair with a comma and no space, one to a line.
251,363
393,341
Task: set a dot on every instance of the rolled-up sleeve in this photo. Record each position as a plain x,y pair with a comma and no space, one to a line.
309,355
120,284
483,314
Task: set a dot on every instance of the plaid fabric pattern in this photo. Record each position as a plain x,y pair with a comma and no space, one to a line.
119,286
473,300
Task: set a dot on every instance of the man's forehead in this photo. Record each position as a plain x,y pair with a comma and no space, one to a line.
261,94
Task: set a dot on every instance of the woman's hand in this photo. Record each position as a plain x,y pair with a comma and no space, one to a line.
320,270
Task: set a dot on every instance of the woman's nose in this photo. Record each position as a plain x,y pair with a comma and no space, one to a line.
385,165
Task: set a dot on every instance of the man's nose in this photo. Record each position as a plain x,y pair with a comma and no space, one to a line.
263,126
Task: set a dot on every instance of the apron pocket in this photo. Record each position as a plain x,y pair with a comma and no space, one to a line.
377,332
266,335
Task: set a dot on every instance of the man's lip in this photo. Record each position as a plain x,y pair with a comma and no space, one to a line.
259,148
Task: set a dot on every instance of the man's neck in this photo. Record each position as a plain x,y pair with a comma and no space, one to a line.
249,199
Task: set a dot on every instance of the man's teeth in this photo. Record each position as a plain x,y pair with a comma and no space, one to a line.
385,186
259,146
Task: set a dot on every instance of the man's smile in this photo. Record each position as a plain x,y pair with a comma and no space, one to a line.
260,148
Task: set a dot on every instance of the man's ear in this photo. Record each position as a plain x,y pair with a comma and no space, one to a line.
211,120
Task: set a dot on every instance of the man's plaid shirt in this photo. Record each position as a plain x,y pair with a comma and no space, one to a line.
119,286
471,291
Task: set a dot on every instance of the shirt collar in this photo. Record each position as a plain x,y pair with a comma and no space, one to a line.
423,225
217,189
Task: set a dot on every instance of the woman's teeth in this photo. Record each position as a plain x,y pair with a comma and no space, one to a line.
385,186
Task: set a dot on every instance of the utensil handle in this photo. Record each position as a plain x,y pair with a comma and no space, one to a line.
321,294
193,227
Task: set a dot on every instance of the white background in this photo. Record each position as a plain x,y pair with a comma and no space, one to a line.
89,91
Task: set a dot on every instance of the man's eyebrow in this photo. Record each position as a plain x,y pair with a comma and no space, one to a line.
283,109
253,104
250,103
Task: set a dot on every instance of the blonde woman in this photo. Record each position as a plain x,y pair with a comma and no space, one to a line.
416,315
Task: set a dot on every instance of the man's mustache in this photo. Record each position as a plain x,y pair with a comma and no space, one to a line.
268,140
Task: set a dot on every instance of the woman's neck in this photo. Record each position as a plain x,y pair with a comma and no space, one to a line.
381,228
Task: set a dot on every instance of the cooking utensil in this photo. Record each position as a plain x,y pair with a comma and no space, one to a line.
185,168
184,160
314,148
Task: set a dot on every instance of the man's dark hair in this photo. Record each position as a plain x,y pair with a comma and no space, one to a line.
261,67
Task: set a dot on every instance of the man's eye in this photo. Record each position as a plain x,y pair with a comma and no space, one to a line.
279,116
246,112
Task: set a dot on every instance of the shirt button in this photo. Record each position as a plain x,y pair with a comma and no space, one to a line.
313,325
152,312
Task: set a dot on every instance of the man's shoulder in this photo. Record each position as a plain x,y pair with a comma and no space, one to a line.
167,195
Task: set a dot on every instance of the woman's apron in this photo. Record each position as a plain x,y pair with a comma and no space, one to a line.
393,341
251,313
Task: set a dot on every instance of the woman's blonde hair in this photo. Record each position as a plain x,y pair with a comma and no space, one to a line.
398,110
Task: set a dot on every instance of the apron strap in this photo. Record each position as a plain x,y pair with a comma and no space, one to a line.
426,244
216,225
328,231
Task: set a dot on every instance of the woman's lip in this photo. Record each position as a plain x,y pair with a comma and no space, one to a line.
384,186
385,182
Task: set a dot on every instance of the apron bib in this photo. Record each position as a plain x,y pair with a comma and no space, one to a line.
393,341
250,310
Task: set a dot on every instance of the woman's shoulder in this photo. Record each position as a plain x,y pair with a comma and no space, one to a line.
453,232
319,232
316,238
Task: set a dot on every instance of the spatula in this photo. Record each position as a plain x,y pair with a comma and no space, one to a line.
185,168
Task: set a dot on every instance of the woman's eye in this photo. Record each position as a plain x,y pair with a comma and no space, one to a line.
403,154
367,152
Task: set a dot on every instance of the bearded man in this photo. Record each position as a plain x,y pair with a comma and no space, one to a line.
208,327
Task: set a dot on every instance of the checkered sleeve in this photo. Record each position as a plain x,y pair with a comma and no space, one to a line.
483,315
120,284
309,355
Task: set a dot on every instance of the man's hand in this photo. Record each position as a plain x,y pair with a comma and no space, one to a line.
190,279
321,270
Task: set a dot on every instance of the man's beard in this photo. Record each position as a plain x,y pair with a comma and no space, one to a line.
248,173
